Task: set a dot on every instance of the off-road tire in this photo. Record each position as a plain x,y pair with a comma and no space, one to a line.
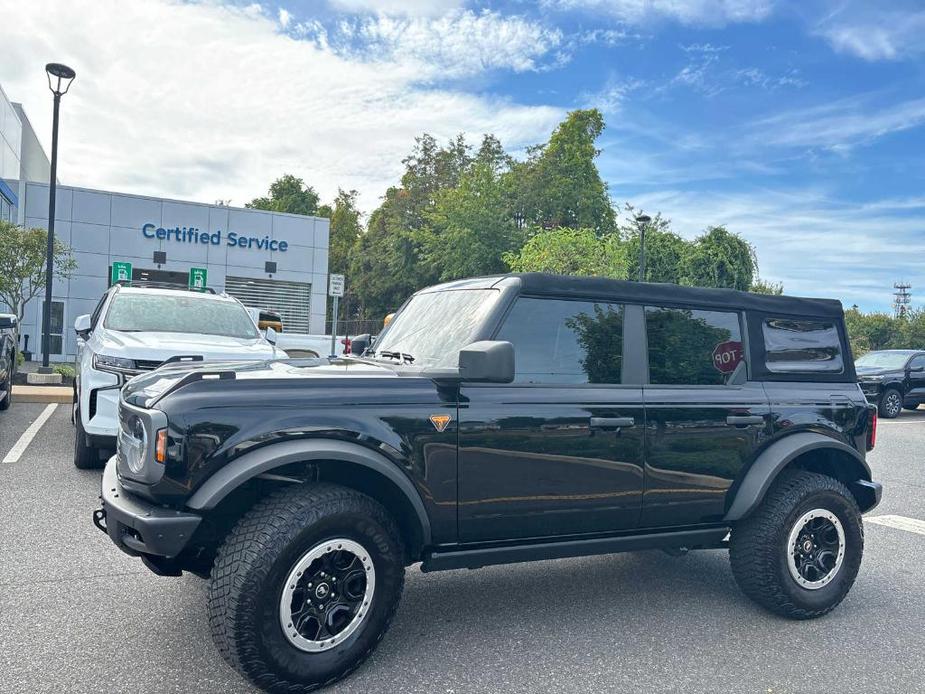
758,548
8,398
250,571
890,404
86,457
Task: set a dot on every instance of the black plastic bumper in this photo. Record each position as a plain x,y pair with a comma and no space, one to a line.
867,493
137,526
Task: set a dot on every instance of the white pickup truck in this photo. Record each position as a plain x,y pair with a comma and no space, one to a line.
298,345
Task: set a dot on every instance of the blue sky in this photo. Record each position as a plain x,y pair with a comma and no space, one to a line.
798,125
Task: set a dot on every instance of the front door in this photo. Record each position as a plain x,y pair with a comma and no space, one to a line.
916,369
560,450
704,420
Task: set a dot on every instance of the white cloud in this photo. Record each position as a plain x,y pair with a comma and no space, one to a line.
398,7
284,18
810,242
695,12
457,44
876,35
205,101
840,125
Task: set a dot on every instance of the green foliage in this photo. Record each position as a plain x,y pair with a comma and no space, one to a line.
873,331
760,286
559,184
345,228
20,359
22,264
719,258
601,338
664,249
569,252
65,370
288,194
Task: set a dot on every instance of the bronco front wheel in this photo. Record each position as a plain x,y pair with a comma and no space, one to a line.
305,586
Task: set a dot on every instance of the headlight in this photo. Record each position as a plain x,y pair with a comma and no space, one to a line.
117,365
133,444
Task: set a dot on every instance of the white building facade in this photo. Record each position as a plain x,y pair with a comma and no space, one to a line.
268,260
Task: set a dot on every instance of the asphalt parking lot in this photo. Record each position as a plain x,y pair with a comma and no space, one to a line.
76,615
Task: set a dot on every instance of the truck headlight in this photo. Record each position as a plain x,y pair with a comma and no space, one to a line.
118,365
133,444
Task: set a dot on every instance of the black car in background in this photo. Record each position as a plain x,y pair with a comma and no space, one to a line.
8,341
496,420
893,379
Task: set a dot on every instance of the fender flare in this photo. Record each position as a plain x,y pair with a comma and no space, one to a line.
267,458
775,458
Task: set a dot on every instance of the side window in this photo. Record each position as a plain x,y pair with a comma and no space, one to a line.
565,342
917,362
796,345
95,316
692,347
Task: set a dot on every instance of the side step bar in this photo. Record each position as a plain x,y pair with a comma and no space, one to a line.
701,538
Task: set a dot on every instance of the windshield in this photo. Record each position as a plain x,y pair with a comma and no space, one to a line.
883,360
433,327
179,314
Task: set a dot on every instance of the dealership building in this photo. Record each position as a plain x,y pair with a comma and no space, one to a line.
268,260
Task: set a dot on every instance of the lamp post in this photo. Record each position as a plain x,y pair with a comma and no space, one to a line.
641,222
59,81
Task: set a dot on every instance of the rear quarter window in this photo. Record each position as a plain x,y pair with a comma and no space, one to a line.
798,345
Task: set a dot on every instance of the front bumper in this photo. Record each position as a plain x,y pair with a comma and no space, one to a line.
138,527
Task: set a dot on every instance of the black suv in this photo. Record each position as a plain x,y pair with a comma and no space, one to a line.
495,420
893,379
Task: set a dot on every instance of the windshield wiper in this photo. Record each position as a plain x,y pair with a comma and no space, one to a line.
403,357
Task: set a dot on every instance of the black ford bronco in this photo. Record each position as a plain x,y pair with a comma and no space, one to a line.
495,420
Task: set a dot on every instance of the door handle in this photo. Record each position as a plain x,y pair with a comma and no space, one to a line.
611,422
744,420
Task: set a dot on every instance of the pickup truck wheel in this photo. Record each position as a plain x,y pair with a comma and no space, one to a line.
798,554
891,403
8,398
305,586
86,457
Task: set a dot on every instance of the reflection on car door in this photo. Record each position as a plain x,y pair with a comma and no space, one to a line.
916,392
700,429
559,451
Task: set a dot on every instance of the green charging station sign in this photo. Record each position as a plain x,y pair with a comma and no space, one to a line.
121,272
197,279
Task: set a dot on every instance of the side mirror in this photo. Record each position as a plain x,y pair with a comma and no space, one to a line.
7,321
82,326
487,362
359,344
270,334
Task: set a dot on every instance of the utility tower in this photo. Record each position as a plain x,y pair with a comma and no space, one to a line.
902,298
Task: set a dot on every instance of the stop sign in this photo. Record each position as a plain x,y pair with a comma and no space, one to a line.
727,355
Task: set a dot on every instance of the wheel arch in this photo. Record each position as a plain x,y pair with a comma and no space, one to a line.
807,451
339,462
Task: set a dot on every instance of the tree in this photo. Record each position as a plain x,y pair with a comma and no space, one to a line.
559,184
719,258
22,264
345,228
664,248
288,194
760,286
569,252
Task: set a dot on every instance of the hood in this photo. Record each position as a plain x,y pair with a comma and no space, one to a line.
145,390
156,346
875,371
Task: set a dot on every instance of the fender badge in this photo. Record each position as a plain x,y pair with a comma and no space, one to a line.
440,421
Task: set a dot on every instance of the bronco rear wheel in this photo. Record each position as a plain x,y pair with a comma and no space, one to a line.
305,586
799,553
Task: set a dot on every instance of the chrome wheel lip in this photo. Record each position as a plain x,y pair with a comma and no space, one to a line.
791,546
285,603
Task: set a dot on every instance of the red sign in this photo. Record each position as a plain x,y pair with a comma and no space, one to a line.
726,356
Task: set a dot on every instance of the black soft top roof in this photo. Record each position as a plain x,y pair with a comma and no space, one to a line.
567,286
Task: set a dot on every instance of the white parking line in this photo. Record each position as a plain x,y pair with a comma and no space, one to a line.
17,450
913,525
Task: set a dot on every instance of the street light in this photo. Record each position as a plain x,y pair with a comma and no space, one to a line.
642,221
59,81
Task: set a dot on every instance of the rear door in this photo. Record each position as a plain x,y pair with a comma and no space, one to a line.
704,419
559,451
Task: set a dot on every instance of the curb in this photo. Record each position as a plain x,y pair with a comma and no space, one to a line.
43,394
